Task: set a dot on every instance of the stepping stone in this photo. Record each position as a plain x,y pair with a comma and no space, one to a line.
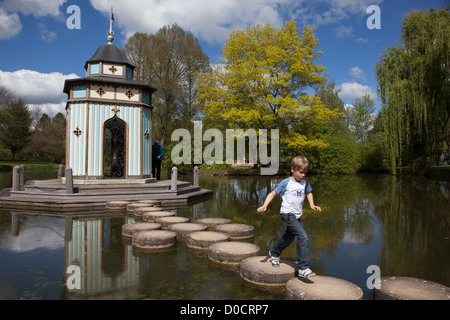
183,229
165,222
150,216
139,211
155,239
237,231
151,202
259,270
322,288
129,229
117,205
212,223
405,288
232,252
203,239
132,206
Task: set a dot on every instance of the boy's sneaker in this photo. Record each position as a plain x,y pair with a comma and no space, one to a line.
275,260
306,273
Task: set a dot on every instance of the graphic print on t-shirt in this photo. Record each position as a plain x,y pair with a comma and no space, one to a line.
293,195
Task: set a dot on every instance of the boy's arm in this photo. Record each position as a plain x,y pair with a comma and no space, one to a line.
268,200
310,198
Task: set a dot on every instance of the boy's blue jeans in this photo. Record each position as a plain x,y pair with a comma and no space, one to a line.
294,229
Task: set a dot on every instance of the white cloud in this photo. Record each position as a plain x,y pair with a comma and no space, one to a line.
343,31
10,25
362,40
39,90
325,12
357,73
46,34
208,20
353,90
37,8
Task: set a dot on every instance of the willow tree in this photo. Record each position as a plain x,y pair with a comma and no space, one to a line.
414,88
263,82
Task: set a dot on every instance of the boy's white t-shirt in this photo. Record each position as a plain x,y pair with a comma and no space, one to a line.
293,195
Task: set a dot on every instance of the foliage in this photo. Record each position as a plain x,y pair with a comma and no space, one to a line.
414,88
15,122
169,60
262,83
361,117
342,155
48,140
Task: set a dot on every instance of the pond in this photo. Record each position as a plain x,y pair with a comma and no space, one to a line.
400,224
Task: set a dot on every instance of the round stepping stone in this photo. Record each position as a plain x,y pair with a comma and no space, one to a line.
183,229
259,270
129,229
132,206
405,288
212,223
165,222
116,205
232,252
151,202
150,216
322,288
203,239
155,239
237,231
139,211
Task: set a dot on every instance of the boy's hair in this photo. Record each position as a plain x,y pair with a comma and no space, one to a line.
300,163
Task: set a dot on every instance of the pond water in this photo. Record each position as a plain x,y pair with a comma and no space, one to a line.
400,224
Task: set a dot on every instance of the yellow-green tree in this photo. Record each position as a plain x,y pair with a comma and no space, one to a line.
263,82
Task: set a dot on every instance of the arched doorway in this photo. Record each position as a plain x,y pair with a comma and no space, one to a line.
114,148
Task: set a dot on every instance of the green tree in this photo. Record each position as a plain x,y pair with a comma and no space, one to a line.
48,140
361,117
6,97
15,122
414,88
262,83
342,154
169,60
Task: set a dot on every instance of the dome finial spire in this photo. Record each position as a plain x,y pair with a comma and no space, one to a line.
110,33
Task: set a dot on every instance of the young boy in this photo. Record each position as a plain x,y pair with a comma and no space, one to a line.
293,191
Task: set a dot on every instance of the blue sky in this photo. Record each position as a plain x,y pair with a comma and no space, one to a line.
38,51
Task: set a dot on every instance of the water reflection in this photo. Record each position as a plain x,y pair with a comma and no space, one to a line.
401,225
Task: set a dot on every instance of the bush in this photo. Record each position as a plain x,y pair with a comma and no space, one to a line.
341,156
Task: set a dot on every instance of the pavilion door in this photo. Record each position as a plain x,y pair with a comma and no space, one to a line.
114,152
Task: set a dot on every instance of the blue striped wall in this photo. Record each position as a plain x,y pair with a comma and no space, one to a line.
90,121
77,147
86,249
147,147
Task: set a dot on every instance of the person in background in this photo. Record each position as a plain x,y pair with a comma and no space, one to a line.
157,157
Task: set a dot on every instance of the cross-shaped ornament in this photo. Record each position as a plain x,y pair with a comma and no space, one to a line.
113,69
77,132
146,134
115,110
101,92
129,94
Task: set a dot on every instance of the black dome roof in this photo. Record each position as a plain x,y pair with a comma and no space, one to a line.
109,53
